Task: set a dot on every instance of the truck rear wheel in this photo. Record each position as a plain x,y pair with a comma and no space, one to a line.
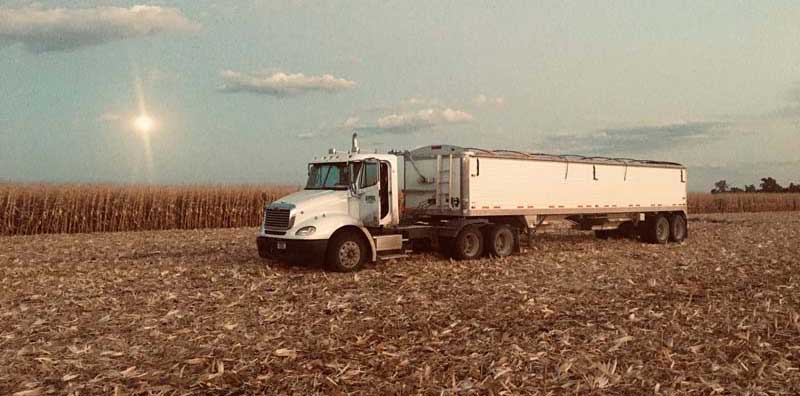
656,229
468,244
500,240
347,252
677,228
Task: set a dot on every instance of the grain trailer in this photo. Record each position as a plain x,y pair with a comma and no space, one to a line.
466,203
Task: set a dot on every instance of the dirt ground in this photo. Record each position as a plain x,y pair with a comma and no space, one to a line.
197,313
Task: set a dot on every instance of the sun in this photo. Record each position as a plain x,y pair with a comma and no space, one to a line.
144,123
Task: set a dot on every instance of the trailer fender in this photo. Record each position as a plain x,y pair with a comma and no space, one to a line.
454,227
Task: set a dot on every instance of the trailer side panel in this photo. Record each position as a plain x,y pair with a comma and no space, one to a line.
517,186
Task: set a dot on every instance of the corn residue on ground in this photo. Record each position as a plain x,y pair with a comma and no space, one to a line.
198,313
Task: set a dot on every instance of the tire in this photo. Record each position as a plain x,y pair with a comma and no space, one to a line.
468,245
264,253
347,252
677,228
263,248
656,229
602,234
500,241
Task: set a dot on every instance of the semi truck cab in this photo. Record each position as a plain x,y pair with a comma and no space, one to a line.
338,216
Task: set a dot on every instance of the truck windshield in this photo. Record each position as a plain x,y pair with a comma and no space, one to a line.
331,176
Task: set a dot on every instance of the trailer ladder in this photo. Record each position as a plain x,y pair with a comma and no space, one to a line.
444,186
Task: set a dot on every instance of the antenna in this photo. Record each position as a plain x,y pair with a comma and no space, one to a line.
355,148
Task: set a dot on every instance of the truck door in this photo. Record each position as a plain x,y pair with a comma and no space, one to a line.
369,202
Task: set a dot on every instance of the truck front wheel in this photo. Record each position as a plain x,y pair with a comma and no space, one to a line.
468,244
346,252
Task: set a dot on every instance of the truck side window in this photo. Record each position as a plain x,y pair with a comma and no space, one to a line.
369,177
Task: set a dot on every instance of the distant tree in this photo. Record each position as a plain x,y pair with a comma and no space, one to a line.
749,188
720,187
770,185
736,190
793,188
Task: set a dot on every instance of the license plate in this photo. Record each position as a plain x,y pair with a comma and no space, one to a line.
280,245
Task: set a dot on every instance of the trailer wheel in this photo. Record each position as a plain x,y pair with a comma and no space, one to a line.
468,244
677,228
656,229
500,240
346,252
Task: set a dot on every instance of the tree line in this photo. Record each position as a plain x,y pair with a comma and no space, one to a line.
767,185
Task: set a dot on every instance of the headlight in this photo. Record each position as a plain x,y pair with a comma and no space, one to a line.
305,231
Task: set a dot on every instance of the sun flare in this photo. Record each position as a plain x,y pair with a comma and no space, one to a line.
144,123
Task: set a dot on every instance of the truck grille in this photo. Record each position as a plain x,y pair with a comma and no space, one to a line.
277,219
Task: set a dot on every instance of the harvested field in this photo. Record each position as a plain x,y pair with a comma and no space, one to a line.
196,312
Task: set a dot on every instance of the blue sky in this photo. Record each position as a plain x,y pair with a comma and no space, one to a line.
248,91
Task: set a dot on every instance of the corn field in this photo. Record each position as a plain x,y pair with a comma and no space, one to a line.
76,208
743,202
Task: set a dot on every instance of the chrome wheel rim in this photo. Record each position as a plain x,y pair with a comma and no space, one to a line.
349,254
471,245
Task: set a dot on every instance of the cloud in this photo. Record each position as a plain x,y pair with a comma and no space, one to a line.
483,100
637,139
423,119
64,29
309,135
282,85
419,101
324,131
791,109
350,122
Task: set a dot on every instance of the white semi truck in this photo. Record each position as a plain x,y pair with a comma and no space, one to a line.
466,202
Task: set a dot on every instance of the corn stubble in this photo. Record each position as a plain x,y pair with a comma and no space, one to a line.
197,312
76,208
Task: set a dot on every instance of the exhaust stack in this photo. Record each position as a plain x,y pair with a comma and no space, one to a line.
355,149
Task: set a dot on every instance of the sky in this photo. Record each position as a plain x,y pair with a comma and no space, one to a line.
248,91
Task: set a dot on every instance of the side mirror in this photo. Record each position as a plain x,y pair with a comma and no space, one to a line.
353,188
